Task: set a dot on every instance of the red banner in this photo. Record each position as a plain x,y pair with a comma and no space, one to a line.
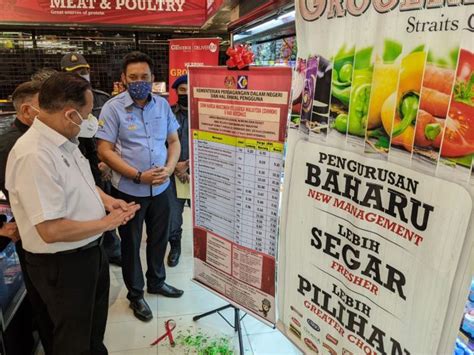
106,12
212,7
184,52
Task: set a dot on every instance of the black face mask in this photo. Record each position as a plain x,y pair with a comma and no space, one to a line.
183,100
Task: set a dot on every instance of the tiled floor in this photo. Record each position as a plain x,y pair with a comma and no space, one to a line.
128,336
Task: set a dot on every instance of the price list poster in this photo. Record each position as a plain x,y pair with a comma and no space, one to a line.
238,123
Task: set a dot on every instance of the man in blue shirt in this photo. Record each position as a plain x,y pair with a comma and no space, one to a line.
134,129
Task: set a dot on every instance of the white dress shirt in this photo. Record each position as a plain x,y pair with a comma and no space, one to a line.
48,178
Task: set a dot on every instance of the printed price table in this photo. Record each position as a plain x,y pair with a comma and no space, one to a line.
237,189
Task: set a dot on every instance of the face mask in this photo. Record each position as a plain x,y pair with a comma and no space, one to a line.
183,100
88,127
139,90
86,76
35,109
31,118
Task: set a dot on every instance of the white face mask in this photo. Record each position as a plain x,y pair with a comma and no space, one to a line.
87,77
88,127
35,109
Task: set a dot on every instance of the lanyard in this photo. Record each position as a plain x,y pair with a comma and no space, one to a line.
170,324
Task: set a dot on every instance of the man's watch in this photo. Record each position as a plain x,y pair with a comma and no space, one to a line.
138,178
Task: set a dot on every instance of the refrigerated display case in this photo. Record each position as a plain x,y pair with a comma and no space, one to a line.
272,38
280,51
465,340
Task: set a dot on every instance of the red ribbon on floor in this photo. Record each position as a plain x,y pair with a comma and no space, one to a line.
170,324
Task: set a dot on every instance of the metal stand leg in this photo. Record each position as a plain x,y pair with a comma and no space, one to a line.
217,310
238,329
237,322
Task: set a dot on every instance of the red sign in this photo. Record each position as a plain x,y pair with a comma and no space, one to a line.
106,12
184,52
212,6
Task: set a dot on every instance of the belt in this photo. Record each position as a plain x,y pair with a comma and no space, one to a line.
92,244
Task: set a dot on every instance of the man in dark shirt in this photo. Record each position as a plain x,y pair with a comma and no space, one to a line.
181,172
77,64
25,101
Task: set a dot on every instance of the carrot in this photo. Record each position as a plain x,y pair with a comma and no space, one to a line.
424,119
428,130
438,79
434,102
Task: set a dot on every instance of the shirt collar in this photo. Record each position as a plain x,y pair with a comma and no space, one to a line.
128,101
56,138
20,125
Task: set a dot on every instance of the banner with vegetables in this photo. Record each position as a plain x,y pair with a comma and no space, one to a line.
376,232
398,86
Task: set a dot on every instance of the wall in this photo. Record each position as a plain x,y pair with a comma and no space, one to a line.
24,52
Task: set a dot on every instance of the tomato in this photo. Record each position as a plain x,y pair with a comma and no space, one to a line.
459,133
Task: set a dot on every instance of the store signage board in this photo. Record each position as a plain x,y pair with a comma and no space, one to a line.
238,128
375,251
185,52
106,12
212,6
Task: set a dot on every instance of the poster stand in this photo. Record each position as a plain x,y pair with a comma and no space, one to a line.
237,126
237,321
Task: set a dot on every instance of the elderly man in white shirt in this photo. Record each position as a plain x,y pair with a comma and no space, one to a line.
61,215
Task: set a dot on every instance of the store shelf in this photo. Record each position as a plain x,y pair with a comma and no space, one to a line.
12,288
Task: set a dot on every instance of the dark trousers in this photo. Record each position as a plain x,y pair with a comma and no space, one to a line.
111,239
75,289
41,318
176,221
111,244
155,212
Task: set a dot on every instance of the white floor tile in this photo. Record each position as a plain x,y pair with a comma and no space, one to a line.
192,302
254,326
272,343
186,248
186,264
117,290
182,281
144,351
115,273
130,335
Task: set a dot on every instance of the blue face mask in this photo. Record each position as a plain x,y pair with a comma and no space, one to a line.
139,90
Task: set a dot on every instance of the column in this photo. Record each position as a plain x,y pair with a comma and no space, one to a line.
249,195
275,170
239,189
261,197
214,179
